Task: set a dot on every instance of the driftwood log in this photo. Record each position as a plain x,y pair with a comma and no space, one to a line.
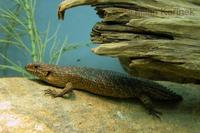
154,39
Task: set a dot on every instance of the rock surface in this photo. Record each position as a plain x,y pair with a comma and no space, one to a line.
25,108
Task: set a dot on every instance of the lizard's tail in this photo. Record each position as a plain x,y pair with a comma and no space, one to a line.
174,97
163,93
168,95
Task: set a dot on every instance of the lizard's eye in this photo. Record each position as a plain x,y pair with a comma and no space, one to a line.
36,66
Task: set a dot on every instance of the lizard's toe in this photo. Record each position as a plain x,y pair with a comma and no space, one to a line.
53,93
155,113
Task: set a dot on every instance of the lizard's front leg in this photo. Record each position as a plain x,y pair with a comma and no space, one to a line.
68,88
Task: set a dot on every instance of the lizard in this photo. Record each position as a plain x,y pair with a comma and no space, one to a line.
102,82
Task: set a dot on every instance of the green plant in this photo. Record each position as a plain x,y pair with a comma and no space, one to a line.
5,46
22,32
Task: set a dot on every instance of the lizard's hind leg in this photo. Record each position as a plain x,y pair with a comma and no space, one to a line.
68,88
149,106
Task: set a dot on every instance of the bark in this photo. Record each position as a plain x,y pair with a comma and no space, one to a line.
155,39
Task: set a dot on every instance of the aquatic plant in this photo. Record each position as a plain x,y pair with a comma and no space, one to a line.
20,31
4,46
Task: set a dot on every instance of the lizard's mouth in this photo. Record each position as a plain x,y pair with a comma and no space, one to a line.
30,68
36,70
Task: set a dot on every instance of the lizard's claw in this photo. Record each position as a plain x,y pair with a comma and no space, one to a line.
155,113
53,93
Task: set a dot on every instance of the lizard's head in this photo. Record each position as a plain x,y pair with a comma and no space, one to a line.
49,73
39,70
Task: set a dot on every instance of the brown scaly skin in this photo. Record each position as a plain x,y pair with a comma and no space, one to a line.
102,82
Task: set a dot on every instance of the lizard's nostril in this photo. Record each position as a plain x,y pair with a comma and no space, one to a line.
26,67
